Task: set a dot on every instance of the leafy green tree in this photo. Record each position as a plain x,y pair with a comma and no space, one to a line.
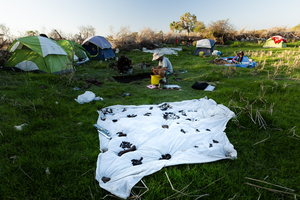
221,29
199,27
187,23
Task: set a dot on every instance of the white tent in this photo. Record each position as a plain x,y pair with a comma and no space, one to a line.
205,45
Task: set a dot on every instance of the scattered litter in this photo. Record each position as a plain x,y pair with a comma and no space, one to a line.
98,99
47,171
203,86
151,86
56,102
172,86
216,53
126,94
76,88
183,71
199,86
209,88
87,97
20,127
102,131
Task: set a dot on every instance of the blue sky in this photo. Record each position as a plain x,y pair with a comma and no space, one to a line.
68,15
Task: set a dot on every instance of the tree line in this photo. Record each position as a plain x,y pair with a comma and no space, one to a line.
187,26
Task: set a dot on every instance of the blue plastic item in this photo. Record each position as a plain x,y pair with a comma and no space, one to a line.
103,131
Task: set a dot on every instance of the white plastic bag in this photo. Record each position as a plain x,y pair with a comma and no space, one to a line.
87,97
215,52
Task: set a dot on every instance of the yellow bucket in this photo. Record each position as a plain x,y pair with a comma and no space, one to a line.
155,79
201,53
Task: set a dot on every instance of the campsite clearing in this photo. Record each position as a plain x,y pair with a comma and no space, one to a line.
54,155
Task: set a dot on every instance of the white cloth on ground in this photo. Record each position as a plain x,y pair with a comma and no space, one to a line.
190,131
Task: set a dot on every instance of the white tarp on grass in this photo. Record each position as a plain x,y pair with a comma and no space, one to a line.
186,132
164,51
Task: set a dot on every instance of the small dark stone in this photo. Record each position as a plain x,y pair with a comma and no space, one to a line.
121,134
114,120
105,179
165,157
165,126
125,145
133,148
131,116
137,162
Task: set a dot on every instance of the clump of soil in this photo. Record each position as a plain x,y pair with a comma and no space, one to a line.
91,81
218,61
131,78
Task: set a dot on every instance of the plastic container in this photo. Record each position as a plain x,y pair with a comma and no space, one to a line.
155,79
130,71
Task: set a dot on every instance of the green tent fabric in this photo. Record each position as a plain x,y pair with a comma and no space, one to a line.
81,55
36,53
275,42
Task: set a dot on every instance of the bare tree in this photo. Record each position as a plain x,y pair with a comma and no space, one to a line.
86,31
32,33
6,35
124,34
56,35
221,29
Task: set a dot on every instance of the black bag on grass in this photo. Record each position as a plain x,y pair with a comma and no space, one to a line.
200,86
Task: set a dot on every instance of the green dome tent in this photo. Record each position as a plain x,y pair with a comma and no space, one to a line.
275,42
81,55
36,53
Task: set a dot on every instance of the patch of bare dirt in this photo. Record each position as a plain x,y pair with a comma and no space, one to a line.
218,61
91,81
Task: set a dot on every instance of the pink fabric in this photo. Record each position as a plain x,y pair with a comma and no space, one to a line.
151,86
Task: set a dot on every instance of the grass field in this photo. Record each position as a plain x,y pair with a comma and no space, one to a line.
54,156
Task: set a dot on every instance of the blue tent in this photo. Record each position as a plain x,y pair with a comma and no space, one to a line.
206,46
98,47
